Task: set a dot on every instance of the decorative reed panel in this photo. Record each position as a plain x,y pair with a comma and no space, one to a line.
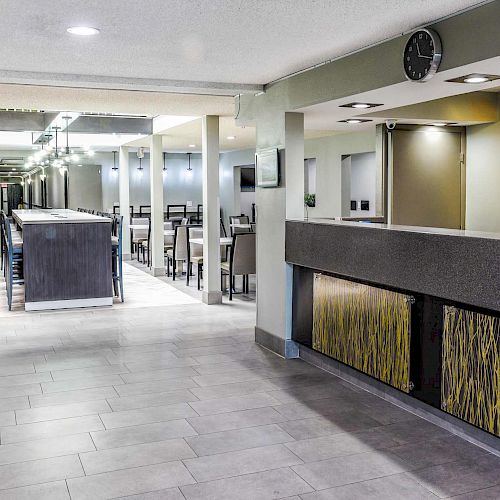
365,327
470,385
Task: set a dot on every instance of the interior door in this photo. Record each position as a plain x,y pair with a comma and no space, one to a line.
427,178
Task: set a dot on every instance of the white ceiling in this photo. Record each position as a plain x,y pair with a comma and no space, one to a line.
150,43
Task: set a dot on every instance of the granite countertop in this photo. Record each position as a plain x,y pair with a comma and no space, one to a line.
55,216
394,227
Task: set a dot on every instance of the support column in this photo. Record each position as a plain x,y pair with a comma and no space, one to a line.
284,131
212,293
156,180
124,199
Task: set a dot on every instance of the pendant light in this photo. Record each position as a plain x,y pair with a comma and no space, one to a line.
189,162
140,168
114,167
164,161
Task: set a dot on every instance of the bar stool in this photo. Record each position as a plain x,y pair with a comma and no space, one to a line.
117,256
13,260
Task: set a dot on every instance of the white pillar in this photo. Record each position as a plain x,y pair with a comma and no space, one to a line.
212,293
124,199
156,180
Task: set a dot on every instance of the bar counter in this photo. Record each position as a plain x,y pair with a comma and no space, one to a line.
417,309
66,259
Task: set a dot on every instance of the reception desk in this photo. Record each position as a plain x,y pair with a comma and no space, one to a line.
66,259
417,309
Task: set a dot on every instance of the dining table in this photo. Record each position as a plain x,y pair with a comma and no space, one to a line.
224,241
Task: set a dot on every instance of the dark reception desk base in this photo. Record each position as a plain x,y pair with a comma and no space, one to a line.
444,362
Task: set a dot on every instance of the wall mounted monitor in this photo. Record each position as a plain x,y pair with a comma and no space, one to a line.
267,165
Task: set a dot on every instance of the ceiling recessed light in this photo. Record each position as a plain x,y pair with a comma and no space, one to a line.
354,121
82,30
192,146
360,105
231,137
438,124
474,78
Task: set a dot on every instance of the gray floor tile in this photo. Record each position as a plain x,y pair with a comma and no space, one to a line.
75,384
398,486
62,411
166,374
350,469
464,476
235,403
279,483
325,447
152,399
437,451
170,494
142,366
69,397
45,448
155,386
137,455
228,390
39,471
69,364
46,491
331,424
51,428
93,371
27,378
483,494
20,390
147,415
239,439
237,463
138,434
7,418
18,403
129,481
235,420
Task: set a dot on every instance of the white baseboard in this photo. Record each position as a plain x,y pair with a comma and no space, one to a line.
68,304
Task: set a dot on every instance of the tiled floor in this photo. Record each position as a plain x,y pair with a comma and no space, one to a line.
166,398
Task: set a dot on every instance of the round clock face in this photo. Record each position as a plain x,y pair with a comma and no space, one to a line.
422,55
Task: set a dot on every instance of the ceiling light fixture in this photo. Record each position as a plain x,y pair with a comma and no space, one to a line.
359,105
231,137
474,78
189,162
438,124
114,167
354,121
164,161
192,146
82,30
140,167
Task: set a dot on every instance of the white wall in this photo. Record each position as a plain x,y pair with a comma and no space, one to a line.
482,211
363,182
230,202
328,152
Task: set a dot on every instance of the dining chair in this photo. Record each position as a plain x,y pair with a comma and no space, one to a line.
117,255
13,259
239,219
195,254
139,235
168,242
241,261
179,252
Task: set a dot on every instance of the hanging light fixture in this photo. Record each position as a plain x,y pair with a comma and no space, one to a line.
164,161
114,167
140,168
189,162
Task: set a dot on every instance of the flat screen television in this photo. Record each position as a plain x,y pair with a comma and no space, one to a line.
247,178
267,165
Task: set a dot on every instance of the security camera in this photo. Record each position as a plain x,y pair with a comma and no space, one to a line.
140,153
390,124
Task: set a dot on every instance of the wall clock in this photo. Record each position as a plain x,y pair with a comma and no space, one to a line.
422,55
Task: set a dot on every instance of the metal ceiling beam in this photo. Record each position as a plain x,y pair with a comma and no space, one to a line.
20,121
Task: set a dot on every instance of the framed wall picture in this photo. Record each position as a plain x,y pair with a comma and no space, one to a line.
354,205
365,205
267,168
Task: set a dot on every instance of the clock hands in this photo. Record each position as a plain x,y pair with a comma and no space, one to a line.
419,54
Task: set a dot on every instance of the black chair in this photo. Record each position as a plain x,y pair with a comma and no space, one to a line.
144,210
239,219
199,214
183,212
